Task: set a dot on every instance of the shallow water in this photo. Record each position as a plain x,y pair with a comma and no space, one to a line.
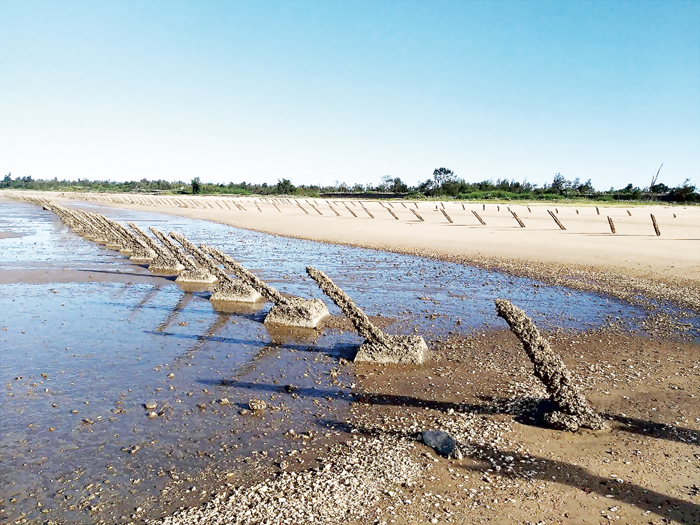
394,285
85,330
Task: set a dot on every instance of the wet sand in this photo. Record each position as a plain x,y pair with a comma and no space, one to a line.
356,457
645,470
515,469
9,235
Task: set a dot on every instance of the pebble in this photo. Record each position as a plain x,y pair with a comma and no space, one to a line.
257,405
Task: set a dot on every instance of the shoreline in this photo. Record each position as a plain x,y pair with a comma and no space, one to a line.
642,275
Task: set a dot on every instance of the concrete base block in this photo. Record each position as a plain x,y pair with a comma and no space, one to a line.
235,293
302,313
198,275
166,269
140,260
404,349
236,307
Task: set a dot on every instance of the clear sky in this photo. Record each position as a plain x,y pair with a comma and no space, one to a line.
326,91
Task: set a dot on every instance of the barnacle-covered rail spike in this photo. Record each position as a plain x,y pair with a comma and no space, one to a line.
226,288
164,261
191,273
573,411
287,311
132,244
378,346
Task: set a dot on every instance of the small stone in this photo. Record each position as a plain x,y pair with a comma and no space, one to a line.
243,411
442,443
151,405
224,401
257,405
152,415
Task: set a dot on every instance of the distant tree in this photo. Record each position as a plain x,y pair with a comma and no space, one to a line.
442,175
684,193
196,185
398,186
285,187
426,186
585,188
393,184
659,188
559,183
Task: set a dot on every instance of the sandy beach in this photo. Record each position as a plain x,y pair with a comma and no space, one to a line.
586,255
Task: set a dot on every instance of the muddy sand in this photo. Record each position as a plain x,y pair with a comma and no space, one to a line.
359,460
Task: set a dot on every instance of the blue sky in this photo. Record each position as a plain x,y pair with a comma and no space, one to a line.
327,91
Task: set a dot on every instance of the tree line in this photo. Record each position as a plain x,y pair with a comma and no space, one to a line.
443,183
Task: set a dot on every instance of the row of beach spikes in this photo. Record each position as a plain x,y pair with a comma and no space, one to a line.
334,206
203,264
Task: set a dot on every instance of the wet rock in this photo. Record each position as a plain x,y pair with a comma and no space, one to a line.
151,405
224,401
442,443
